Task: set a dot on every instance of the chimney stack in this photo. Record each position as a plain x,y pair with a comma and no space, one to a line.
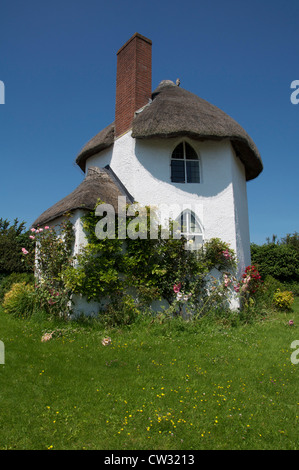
133,80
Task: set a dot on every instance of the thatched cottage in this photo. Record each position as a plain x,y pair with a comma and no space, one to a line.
167,147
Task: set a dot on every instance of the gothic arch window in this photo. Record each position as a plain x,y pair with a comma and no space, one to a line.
184,164
190,229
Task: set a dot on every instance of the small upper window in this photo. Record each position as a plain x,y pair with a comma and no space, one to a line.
184,164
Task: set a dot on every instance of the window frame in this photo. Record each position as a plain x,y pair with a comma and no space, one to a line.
187,232
185,161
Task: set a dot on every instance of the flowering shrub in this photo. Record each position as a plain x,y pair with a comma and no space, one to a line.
181,297
53,254
283,300
219,254
214,294
251,281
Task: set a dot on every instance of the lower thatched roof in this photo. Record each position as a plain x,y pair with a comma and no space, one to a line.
99,183
177,112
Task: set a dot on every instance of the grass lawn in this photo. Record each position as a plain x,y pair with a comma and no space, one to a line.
157,386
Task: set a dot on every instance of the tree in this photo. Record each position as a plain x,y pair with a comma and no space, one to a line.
279,259
13,237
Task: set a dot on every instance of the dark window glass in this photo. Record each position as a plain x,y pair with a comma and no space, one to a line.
190,152
184,164
178,151
177,171
192,172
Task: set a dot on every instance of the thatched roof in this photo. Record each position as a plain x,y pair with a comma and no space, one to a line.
99,183
177,112
99,142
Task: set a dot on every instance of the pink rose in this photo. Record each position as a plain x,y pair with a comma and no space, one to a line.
226,254
177,287
25,251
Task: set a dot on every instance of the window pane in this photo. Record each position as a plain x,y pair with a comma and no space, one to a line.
196,243
192,172
190,152
184,226
193,225
177,171
178,151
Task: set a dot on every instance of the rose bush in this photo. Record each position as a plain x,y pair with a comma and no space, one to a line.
53,252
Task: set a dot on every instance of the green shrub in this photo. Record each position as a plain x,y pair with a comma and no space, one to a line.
7,282
14,237
219,254
122,310
283,300
278,260
292,286
272,285
151,267
20,300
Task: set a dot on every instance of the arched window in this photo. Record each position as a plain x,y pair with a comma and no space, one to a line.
190,229
184,164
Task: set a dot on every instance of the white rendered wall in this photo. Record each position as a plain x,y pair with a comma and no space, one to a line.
76,220
219,200
241,214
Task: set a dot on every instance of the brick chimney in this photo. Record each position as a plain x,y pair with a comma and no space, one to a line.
133,80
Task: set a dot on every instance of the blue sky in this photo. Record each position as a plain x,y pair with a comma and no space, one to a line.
58,64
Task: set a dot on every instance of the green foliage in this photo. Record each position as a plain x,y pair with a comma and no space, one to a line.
53,249
280,260
292,286
20,300
7,282
218,254
121,311
106,269
95,273
283,300
14,237
289,239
